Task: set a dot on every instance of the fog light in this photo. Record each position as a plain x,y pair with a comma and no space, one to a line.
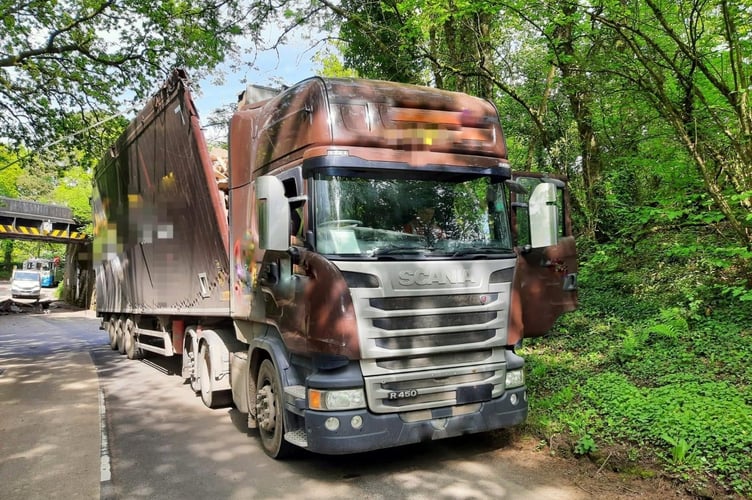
356,422
513,399
331,424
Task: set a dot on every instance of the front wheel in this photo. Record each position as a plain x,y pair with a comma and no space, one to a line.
269,412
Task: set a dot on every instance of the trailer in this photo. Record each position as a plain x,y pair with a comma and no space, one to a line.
359,276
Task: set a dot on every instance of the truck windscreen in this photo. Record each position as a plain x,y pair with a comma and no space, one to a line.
431,217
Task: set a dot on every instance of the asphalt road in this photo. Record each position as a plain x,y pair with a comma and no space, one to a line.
153,438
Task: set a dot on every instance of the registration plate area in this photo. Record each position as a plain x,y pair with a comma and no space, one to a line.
435,388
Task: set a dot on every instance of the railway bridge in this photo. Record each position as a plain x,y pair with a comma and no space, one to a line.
33,221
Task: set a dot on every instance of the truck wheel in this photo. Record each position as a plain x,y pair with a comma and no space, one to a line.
210,397
193,377
112,332
119,324
271,422
129,339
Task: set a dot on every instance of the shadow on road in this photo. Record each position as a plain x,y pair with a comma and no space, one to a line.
165,436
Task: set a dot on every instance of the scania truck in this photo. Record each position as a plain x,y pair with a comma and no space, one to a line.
357,277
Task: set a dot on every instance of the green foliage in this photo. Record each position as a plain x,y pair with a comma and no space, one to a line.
331,65
585,445
9,174
77,56
655,356
74,191
680,450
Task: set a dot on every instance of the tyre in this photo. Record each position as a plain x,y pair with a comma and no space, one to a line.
210,397
190,352
119,324
112,332
269,412
129,339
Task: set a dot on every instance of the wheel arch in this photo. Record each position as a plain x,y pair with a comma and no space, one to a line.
271,346
221,343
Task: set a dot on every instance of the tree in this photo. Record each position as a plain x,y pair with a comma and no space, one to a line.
80,55
10,174
688,60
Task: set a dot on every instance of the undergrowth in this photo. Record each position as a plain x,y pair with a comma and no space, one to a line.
657,358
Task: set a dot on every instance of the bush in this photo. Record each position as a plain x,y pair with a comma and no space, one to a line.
656,357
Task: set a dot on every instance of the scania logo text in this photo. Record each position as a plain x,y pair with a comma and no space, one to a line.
424,278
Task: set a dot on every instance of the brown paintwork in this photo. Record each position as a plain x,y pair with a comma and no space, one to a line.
538,297
313,309
537,288
374,115
159,215
372,120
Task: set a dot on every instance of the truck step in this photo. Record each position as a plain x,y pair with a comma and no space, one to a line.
297,437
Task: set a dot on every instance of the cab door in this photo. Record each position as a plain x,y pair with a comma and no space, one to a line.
545,282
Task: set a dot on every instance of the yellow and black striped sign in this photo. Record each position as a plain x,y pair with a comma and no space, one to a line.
63,234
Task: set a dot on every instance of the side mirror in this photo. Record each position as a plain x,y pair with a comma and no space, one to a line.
273,211
544,224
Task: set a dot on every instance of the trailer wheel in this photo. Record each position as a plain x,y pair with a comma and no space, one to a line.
210,397
112,332
269,412
129,339
119,324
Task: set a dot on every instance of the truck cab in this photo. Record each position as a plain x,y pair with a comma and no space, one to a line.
376,251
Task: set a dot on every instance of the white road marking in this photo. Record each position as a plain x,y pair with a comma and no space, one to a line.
104,450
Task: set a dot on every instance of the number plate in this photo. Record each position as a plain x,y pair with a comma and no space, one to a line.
474,394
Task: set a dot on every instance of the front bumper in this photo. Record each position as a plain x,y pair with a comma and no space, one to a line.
31,294
388,430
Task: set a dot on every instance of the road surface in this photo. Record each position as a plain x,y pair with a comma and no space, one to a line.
78,420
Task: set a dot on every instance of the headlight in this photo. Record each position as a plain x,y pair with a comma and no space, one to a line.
515,378
347,399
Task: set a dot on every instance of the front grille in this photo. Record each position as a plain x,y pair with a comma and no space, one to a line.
434,321
435,345
403,327
435,388
442,359
433,301
426,341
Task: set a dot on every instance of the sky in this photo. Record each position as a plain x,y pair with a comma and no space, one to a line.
289,65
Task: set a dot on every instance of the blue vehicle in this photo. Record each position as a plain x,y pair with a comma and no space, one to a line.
51,270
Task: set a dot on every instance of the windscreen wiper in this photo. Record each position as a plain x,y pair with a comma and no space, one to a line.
396,249
481,251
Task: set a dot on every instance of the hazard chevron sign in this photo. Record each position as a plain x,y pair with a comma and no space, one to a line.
63,234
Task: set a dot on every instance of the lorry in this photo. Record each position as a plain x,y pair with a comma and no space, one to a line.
289,285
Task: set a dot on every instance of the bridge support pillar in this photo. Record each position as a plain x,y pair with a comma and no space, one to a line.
79,274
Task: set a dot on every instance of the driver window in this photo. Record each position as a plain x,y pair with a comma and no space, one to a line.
297,212
522,214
